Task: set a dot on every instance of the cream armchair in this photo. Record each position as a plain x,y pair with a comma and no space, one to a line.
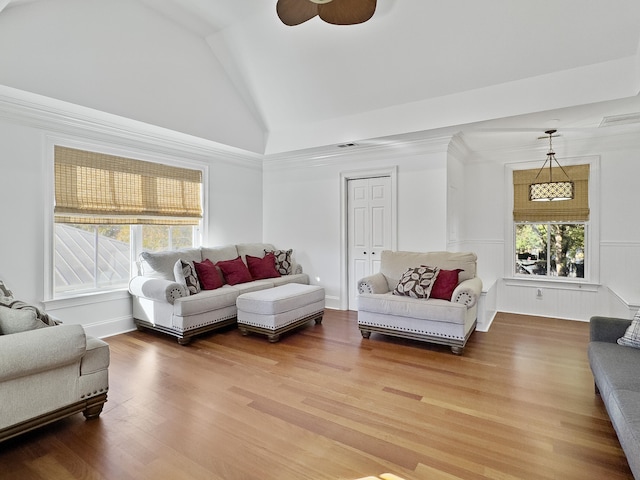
50,373
444,321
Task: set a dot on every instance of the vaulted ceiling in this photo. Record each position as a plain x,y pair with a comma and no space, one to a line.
487,68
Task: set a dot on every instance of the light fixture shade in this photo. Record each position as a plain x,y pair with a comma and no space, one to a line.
551,191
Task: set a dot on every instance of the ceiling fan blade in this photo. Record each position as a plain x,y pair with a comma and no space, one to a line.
295,12
347,12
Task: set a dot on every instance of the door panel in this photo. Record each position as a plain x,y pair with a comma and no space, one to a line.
369,228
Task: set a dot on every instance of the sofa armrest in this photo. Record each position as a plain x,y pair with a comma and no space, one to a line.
376,283
607,329
157,289
467,292
33,351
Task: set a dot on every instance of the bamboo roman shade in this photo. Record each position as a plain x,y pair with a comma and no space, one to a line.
577,209
97,188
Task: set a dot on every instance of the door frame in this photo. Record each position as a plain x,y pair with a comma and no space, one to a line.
345,177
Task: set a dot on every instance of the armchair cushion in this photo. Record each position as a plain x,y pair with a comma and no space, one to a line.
16,321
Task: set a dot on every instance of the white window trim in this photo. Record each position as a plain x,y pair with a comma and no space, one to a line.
592,240
163,156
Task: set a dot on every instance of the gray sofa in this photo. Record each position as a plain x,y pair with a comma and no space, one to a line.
50,373
616,374
444,321
161,303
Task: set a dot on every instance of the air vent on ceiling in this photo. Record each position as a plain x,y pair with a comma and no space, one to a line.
625,119
347,145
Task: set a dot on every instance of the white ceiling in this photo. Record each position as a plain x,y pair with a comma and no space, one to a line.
423,65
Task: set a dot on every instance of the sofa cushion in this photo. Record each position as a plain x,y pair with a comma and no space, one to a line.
16,321
186,275
161,264
218,254
253,249
614,367
261,268
417,308
445,283
284,263
206,301
624,410
209,275
631,337
416,282
235,271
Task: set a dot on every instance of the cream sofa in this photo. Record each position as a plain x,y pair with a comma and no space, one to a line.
448,322
50,373
161,303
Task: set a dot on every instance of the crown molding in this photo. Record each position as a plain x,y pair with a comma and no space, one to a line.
56,116
364,151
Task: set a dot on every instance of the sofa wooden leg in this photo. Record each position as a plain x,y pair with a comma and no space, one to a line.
184,340
457,350
365,333
94,406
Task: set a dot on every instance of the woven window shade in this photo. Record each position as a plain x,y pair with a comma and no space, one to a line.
104,189
577,209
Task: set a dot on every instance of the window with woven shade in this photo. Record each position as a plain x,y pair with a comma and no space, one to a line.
551,236
95,188
108,207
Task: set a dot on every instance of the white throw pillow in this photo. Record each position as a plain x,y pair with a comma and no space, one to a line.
631,337
186,275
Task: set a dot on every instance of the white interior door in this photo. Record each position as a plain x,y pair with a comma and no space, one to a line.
369,228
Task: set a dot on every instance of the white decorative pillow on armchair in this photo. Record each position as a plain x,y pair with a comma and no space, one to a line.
417,282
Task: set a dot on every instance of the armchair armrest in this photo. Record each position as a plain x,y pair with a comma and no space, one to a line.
467,292
376,283
33,351
157,289
607,329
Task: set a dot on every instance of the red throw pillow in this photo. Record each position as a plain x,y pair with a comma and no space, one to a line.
446,283
209,275
262,267
234,271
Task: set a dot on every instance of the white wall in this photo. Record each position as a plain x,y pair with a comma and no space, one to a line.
233,196
303,210
120,57
617,290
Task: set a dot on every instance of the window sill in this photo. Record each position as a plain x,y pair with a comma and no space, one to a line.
89,298
560,284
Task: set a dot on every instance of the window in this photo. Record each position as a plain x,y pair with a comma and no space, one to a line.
551,238
550,249
107,208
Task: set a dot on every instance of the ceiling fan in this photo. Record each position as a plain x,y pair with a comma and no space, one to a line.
337,12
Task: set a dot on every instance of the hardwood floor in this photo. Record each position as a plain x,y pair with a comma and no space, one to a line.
323,403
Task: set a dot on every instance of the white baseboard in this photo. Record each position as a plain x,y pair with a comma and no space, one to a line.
110,327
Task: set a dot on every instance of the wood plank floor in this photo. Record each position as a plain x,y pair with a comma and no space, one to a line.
323,403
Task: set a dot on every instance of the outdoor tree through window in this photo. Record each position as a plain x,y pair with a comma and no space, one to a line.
550,249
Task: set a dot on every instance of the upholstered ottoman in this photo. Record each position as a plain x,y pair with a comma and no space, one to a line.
279,309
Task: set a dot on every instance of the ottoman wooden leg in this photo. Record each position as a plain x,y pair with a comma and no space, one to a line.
319,320
274,338
243,331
